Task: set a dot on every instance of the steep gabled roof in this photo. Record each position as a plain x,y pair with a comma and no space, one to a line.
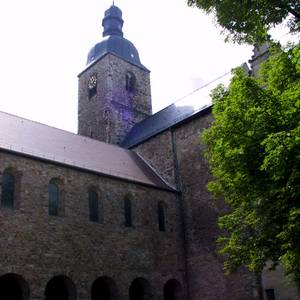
43,142
168,117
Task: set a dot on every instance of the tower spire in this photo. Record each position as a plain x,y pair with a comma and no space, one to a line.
113,22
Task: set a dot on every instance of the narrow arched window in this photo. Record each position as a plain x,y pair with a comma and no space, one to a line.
130,82
8,190
53,195
161,217
127,212
93,206
92,86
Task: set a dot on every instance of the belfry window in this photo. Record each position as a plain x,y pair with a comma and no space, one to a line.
53,194
127,212
92,85
161,217
8,190
130,82
93,206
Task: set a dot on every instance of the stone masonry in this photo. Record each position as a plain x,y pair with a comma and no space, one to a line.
69,257
180,148
38,247
113,111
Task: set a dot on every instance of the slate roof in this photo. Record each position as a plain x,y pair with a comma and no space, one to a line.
118,46
194,104
113,41
168,117
43,142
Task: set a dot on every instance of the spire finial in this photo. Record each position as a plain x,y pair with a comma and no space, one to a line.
112,21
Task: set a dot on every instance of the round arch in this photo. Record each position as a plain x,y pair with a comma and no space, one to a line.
104,288
140,289
173,290
14,287
60,288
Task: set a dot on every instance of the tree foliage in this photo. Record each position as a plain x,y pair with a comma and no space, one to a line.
253,148
249,20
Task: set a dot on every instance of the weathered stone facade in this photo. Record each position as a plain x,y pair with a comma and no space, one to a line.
38,247
113,110
181,148
155,234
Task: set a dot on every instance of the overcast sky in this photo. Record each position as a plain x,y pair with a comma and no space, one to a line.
44,45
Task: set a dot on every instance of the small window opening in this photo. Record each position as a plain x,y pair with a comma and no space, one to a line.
130,82
270,294
90,132
8,190
93,206
127,212
92,86
161,217
53,194
92,92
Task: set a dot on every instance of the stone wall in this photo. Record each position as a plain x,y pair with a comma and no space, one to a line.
111,113
275,280
158,152
201,211
206,279
37,246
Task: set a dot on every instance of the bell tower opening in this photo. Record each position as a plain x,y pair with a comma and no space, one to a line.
114,88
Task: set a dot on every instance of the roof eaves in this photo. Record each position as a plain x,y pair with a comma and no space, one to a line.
169,187
112,53
82,168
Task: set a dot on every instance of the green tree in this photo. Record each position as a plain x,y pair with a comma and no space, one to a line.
253,148
249,20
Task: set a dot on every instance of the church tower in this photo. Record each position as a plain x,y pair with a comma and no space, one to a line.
114,88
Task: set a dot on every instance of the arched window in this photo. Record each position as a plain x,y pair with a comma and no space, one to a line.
130,82
140,289
161,217
53,197
93,206
14,287
104,288
92,85
60,288
8,190
173,290
127,212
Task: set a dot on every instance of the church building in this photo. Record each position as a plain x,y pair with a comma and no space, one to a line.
119,211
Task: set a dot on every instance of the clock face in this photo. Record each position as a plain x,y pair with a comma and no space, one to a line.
92,83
